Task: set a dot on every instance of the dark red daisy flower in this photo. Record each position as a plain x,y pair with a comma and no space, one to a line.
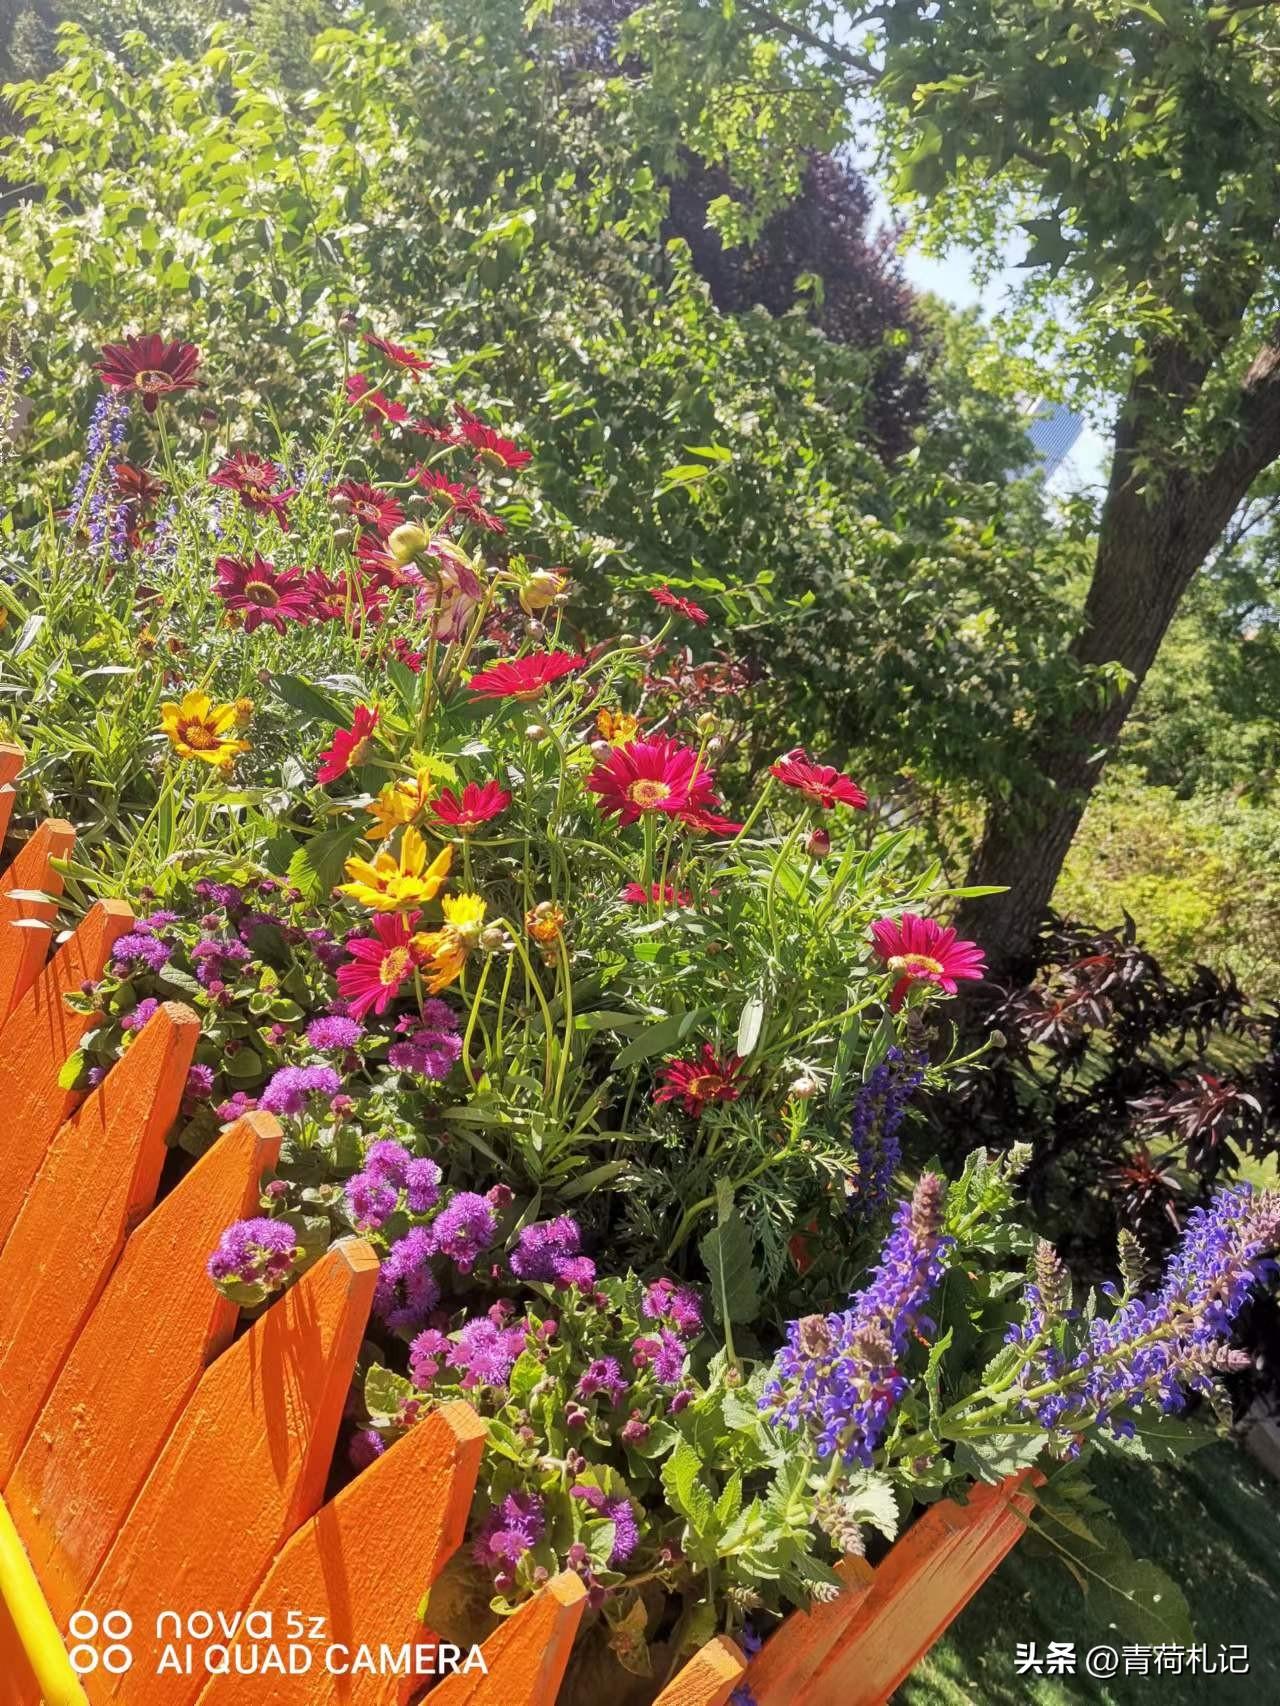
375,405
635,894
137,487
821,783
264,595
672,601
710,823
149,366
524,678
464,501
489,446
346,598
349,747
257,483
479,804
397,354
697,1083
440,432
378,567
368,507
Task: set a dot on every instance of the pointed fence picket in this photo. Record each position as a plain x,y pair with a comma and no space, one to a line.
152,1462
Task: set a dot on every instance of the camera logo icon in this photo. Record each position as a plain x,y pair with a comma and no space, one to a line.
100,1643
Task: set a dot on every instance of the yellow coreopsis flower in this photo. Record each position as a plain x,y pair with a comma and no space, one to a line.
388,884
399,803
197,728
617,727
442,953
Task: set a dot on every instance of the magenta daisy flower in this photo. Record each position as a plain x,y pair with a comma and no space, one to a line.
257,483
379,964
920,950
524,678
263,595
821,783
349,747
480,804
657,775
697,1083
673,601
368,507
397,354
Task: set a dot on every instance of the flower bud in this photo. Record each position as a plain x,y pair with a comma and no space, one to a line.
536,731
627,640
207,420
803,1088
341,503
347,321
344,535
406,541
706,723
818,843
493,938
538,589
715,745
600,749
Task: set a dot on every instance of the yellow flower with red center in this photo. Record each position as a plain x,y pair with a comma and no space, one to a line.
546,922
388,884
197,728
617,727
442,953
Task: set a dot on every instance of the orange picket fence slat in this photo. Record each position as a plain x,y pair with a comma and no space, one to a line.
35,1042
709,1678
10,766
156,1326
792,1656
362,1564
98,1178
245,1464
26,926
527,1656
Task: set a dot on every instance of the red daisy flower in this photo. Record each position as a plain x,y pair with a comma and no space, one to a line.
672,601
257,483
349,747
149,366
657,775
487,445
404,653
439,431
697,1083
369,507
136,486
265,596
375,405
710,823
465,501
480,804
920,950
345,599
379,964
524,678
397,354
635,894
820,783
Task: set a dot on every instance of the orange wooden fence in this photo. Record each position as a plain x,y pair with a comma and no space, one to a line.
152,1462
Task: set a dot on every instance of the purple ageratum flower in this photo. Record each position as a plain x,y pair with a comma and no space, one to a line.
197,1089
235,1107
1159,1347
464,1230
837,1376
333,1032
328,950
664,1300
407,1291
509,1531
290,1090
225,895
620,1512
139,951
157,920
878,1112
486,1352
549,1250
388,1161
665,1355
422,1185
255,1252
427,1354
141,1013
216,961
370,1201
431,1045
366,1447
603,1375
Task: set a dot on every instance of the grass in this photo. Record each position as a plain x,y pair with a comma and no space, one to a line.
1213,1523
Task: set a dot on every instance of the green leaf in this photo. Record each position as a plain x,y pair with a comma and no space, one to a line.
749,1025
318,863
659,1038
314,705
726,1251
70,1070
384,1392
997,1455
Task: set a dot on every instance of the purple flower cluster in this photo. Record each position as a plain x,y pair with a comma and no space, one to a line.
1157,1348
664,1300
550,1251
838,1376
878,1112
140,950
333,1033
431,1046
604,1375
464,1230
217,961
289,1091
407,1290
620,1512
255,1252
509,1531
140,1015
665,1355
486,1351
373,1195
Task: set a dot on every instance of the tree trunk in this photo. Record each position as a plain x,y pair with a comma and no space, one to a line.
1150,545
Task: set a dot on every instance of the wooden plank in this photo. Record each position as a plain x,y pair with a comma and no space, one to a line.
244,1466
929,1576
109,1413
26,926
10,766
527,1655
709,1678
365,1560
797,1649
97,1180
35,1041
